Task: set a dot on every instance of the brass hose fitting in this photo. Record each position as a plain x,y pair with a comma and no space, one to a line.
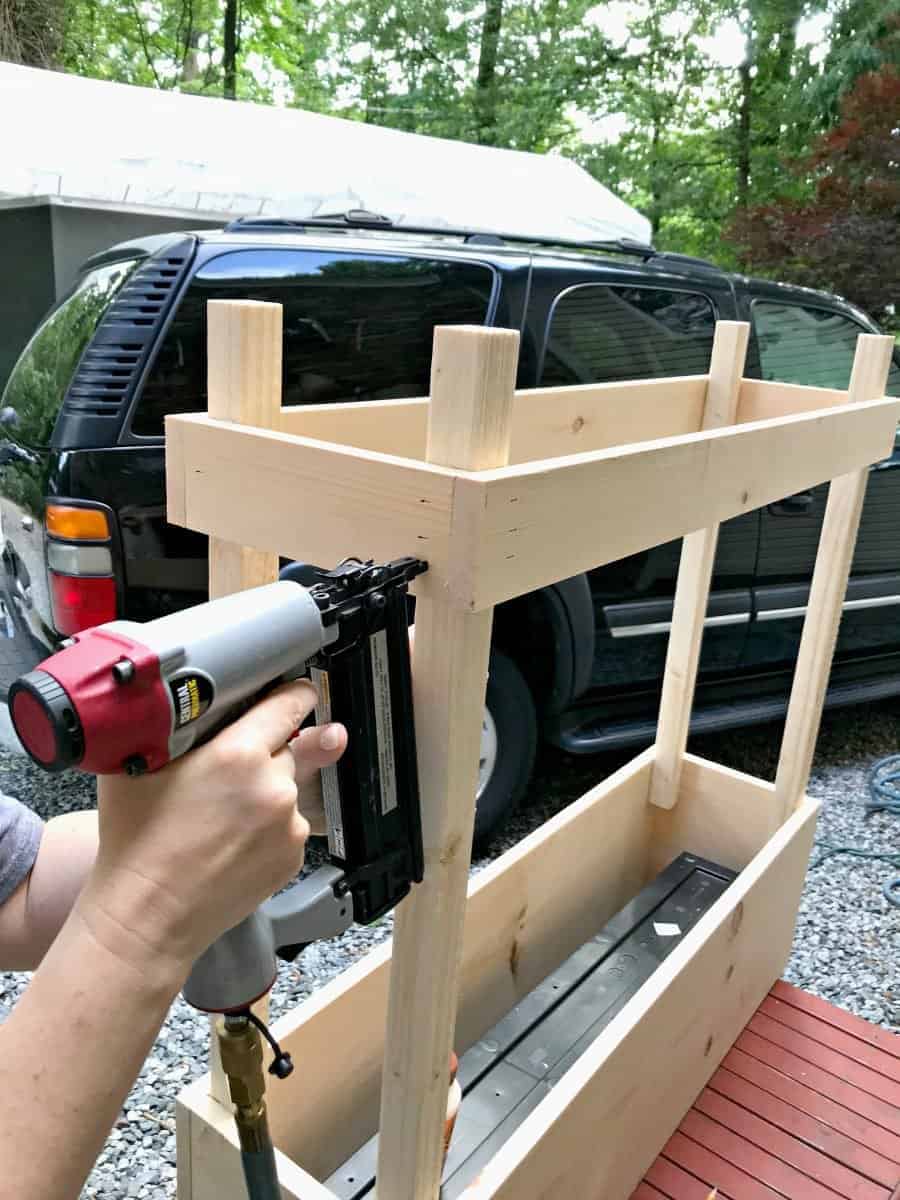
242,1061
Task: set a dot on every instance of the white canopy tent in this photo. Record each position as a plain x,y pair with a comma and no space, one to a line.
83,138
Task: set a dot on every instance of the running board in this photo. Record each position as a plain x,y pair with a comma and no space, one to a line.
590,731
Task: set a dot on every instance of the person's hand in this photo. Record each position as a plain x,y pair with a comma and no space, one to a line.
189,851
314,748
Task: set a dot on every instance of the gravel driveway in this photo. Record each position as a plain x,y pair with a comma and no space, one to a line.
847,947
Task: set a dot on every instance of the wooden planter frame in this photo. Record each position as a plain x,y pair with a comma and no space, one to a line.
504,491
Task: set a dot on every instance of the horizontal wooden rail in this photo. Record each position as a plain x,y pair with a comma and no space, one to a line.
513,529
309,500
548,422
536,523
760,400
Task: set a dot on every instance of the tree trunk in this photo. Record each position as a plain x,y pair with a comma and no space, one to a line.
31,31
744,127
230,52
656,190
486,81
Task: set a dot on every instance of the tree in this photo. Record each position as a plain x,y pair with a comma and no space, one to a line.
32,31
765,84
485,101
230,42
864,37
673,159
846,238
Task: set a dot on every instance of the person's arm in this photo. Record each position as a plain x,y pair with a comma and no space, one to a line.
34,914
184,854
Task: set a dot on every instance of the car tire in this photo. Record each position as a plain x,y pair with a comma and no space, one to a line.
508,747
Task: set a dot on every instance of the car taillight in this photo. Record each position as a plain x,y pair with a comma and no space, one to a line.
79,567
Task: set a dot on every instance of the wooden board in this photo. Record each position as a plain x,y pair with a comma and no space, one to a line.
762,399
306,500
513,529
722,814
698,552
828,590
545,421
520,923
491,534
784,1130
243,386
209,1162
534,527
473,374
552,421
602,1125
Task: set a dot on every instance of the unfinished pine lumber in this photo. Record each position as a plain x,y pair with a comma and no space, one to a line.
469,421
502,492
244,341
698,552
871,365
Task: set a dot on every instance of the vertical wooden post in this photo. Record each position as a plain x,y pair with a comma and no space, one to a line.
698,552
244,386
469,424
837,542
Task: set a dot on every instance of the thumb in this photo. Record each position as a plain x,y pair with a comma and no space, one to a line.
316,747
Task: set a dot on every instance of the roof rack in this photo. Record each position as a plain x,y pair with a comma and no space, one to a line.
360,218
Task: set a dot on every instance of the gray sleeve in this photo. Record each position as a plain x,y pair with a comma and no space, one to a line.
20,837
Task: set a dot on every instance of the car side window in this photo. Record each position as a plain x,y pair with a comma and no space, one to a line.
813,346
600,334
356,326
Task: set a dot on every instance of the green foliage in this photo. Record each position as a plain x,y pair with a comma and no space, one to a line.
692,110
846,236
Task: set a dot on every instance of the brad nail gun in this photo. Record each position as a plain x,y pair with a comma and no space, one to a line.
131,697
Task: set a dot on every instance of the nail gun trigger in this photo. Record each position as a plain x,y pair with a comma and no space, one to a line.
290,953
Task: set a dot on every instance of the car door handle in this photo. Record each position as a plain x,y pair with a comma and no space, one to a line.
792,506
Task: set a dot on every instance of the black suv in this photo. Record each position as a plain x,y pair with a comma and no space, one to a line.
84,529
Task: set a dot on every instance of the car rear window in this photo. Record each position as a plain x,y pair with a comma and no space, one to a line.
356,327
39,380
601,334
815,346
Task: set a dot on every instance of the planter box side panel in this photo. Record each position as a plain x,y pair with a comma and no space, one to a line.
209,1160
609,1117
527,911
536,904
721,814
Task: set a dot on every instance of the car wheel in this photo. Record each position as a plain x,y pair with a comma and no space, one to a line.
508,746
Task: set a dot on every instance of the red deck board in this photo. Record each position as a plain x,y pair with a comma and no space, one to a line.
800,1098
753,1160
799,1127
874,1035
646,1192
677,1184
767,1137
716,1171
805,1106
845,1043
875,1110
820,1055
